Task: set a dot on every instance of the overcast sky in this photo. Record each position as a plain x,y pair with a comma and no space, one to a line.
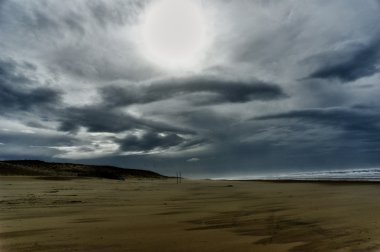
280,86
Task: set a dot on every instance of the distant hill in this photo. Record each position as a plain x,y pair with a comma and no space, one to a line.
45,169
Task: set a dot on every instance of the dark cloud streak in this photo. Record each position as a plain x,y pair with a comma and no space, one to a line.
226,91
98,118
357,128
359,61
16,93
349,119
149,141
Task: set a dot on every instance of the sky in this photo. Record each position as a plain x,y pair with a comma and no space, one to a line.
211,88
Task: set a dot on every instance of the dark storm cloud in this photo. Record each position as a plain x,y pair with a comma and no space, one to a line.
33,145
98,118
348,119
149,141
224,91
310,139
356,62
40,98
25,139
9,75
16,93
356,125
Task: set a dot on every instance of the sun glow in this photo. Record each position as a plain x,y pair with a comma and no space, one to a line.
174,33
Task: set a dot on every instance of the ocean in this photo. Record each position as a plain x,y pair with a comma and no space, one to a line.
368,174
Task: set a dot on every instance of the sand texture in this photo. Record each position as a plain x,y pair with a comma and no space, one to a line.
159,215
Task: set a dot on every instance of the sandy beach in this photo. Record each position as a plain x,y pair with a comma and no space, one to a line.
159,215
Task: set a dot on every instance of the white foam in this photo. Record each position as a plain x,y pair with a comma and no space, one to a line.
368,174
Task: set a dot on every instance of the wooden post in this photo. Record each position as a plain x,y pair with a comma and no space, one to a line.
180,177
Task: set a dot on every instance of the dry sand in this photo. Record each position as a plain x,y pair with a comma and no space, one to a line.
159,215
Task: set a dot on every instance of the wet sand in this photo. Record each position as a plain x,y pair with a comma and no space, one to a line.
159,215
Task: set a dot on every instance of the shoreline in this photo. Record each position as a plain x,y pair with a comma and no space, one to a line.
327,181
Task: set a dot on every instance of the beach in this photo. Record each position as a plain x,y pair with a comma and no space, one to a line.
71,214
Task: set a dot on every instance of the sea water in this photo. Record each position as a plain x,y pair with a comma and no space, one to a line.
368,174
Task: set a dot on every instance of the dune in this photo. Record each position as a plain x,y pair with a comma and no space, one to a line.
62,170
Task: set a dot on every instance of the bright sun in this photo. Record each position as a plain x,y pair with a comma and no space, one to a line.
174,33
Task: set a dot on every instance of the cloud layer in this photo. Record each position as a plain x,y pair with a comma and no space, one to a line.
285,85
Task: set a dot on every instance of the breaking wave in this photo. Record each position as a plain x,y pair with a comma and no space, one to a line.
369,174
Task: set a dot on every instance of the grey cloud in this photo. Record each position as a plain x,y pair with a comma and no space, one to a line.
349,119
2,2
98,118
35,139
224,91
106,14
60,35
101,14
95,119
150,141
19,145
310,139
9,75
296,31
358,129
351,64
16,93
